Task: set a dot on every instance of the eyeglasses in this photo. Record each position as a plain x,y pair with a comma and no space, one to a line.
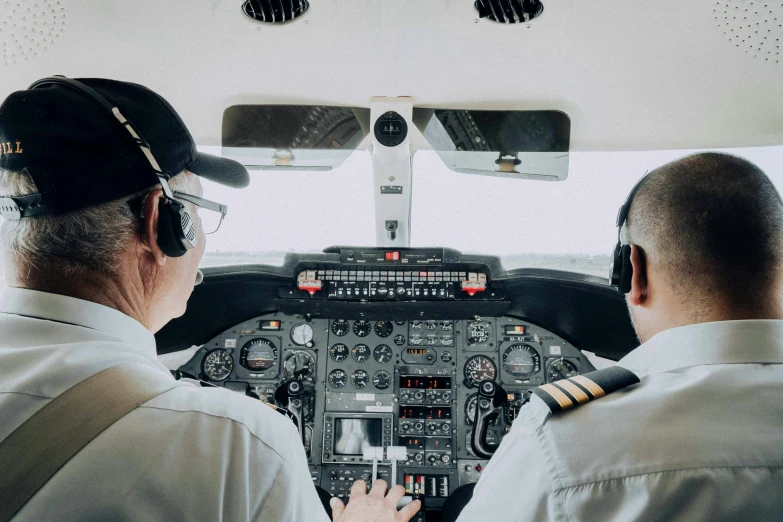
210,213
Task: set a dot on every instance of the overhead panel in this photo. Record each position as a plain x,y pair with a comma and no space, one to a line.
297,137
514,144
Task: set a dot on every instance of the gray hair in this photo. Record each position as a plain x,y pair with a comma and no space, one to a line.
88,239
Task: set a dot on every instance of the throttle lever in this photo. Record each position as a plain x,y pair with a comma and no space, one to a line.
491,399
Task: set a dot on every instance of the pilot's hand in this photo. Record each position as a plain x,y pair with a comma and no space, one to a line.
374,506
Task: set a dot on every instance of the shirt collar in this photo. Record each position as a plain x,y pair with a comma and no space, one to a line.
70,310
723,342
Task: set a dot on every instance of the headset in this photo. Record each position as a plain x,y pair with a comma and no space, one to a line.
176,230
621,271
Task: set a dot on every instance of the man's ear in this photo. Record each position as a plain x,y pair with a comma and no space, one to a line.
639,287
149,227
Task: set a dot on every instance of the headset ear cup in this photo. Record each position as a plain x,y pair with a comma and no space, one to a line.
170,230
626,273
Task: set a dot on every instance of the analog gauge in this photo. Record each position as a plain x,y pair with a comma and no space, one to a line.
445,356
416,340
446,340
360,352
302,334
384,328
511,411
360,378
339,352
399,323
258,355
470,408
381,379
521,360
399,340
299,365
431,325
340,327
431,340
417,325
362,328
561,369
446,326
337,378
479,332
218,364
479,368
383,353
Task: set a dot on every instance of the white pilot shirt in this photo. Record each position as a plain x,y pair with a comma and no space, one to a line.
700,438
191,453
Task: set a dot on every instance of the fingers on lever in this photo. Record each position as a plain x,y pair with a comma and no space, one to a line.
395,494
358,489
337,507
378,489
406,513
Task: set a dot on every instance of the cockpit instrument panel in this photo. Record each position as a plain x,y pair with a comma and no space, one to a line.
386,382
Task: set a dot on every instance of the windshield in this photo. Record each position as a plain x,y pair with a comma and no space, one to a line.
565,225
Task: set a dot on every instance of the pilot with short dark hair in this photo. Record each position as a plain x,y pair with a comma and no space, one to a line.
689,425
104,227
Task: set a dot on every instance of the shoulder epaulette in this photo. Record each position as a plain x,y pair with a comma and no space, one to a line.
567,393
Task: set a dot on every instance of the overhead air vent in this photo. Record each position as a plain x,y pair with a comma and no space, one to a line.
509,11
28,29
275,11
755,27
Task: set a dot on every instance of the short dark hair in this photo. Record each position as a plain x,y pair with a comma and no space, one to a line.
712,222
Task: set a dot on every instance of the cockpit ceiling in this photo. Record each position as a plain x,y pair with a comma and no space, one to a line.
631,75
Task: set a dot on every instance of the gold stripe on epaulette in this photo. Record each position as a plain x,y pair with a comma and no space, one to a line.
573,389
590,385
559,396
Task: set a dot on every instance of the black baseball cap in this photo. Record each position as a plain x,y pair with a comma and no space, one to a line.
80,154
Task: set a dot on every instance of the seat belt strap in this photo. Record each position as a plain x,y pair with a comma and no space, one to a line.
44,443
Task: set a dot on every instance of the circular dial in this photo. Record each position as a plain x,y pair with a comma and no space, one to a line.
218,364
383,353
381,379
340,327
337,378
431,325
399,340
299,365
258,355
478,332
561,369
302,334
479,368
362,328
360,378
360,352
510,411
521,360
339,352
384,328
470,408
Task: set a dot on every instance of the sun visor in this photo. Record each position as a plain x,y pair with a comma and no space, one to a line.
295,137
513,144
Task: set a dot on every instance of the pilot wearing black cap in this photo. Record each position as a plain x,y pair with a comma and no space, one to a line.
103,229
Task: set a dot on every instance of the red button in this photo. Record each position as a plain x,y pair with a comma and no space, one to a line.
392,256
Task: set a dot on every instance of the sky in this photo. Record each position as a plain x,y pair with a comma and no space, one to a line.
308,211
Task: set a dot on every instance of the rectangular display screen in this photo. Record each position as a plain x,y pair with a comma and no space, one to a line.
413,412
410,381
416,443
429,383
439,413
437,444
439,383
416,351
351,436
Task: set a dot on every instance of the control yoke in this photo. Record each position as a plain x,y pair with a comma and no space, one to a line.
491,399
291,395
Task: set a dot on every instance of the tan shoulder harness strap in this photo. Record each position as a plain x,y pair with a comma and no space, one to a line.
44,443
